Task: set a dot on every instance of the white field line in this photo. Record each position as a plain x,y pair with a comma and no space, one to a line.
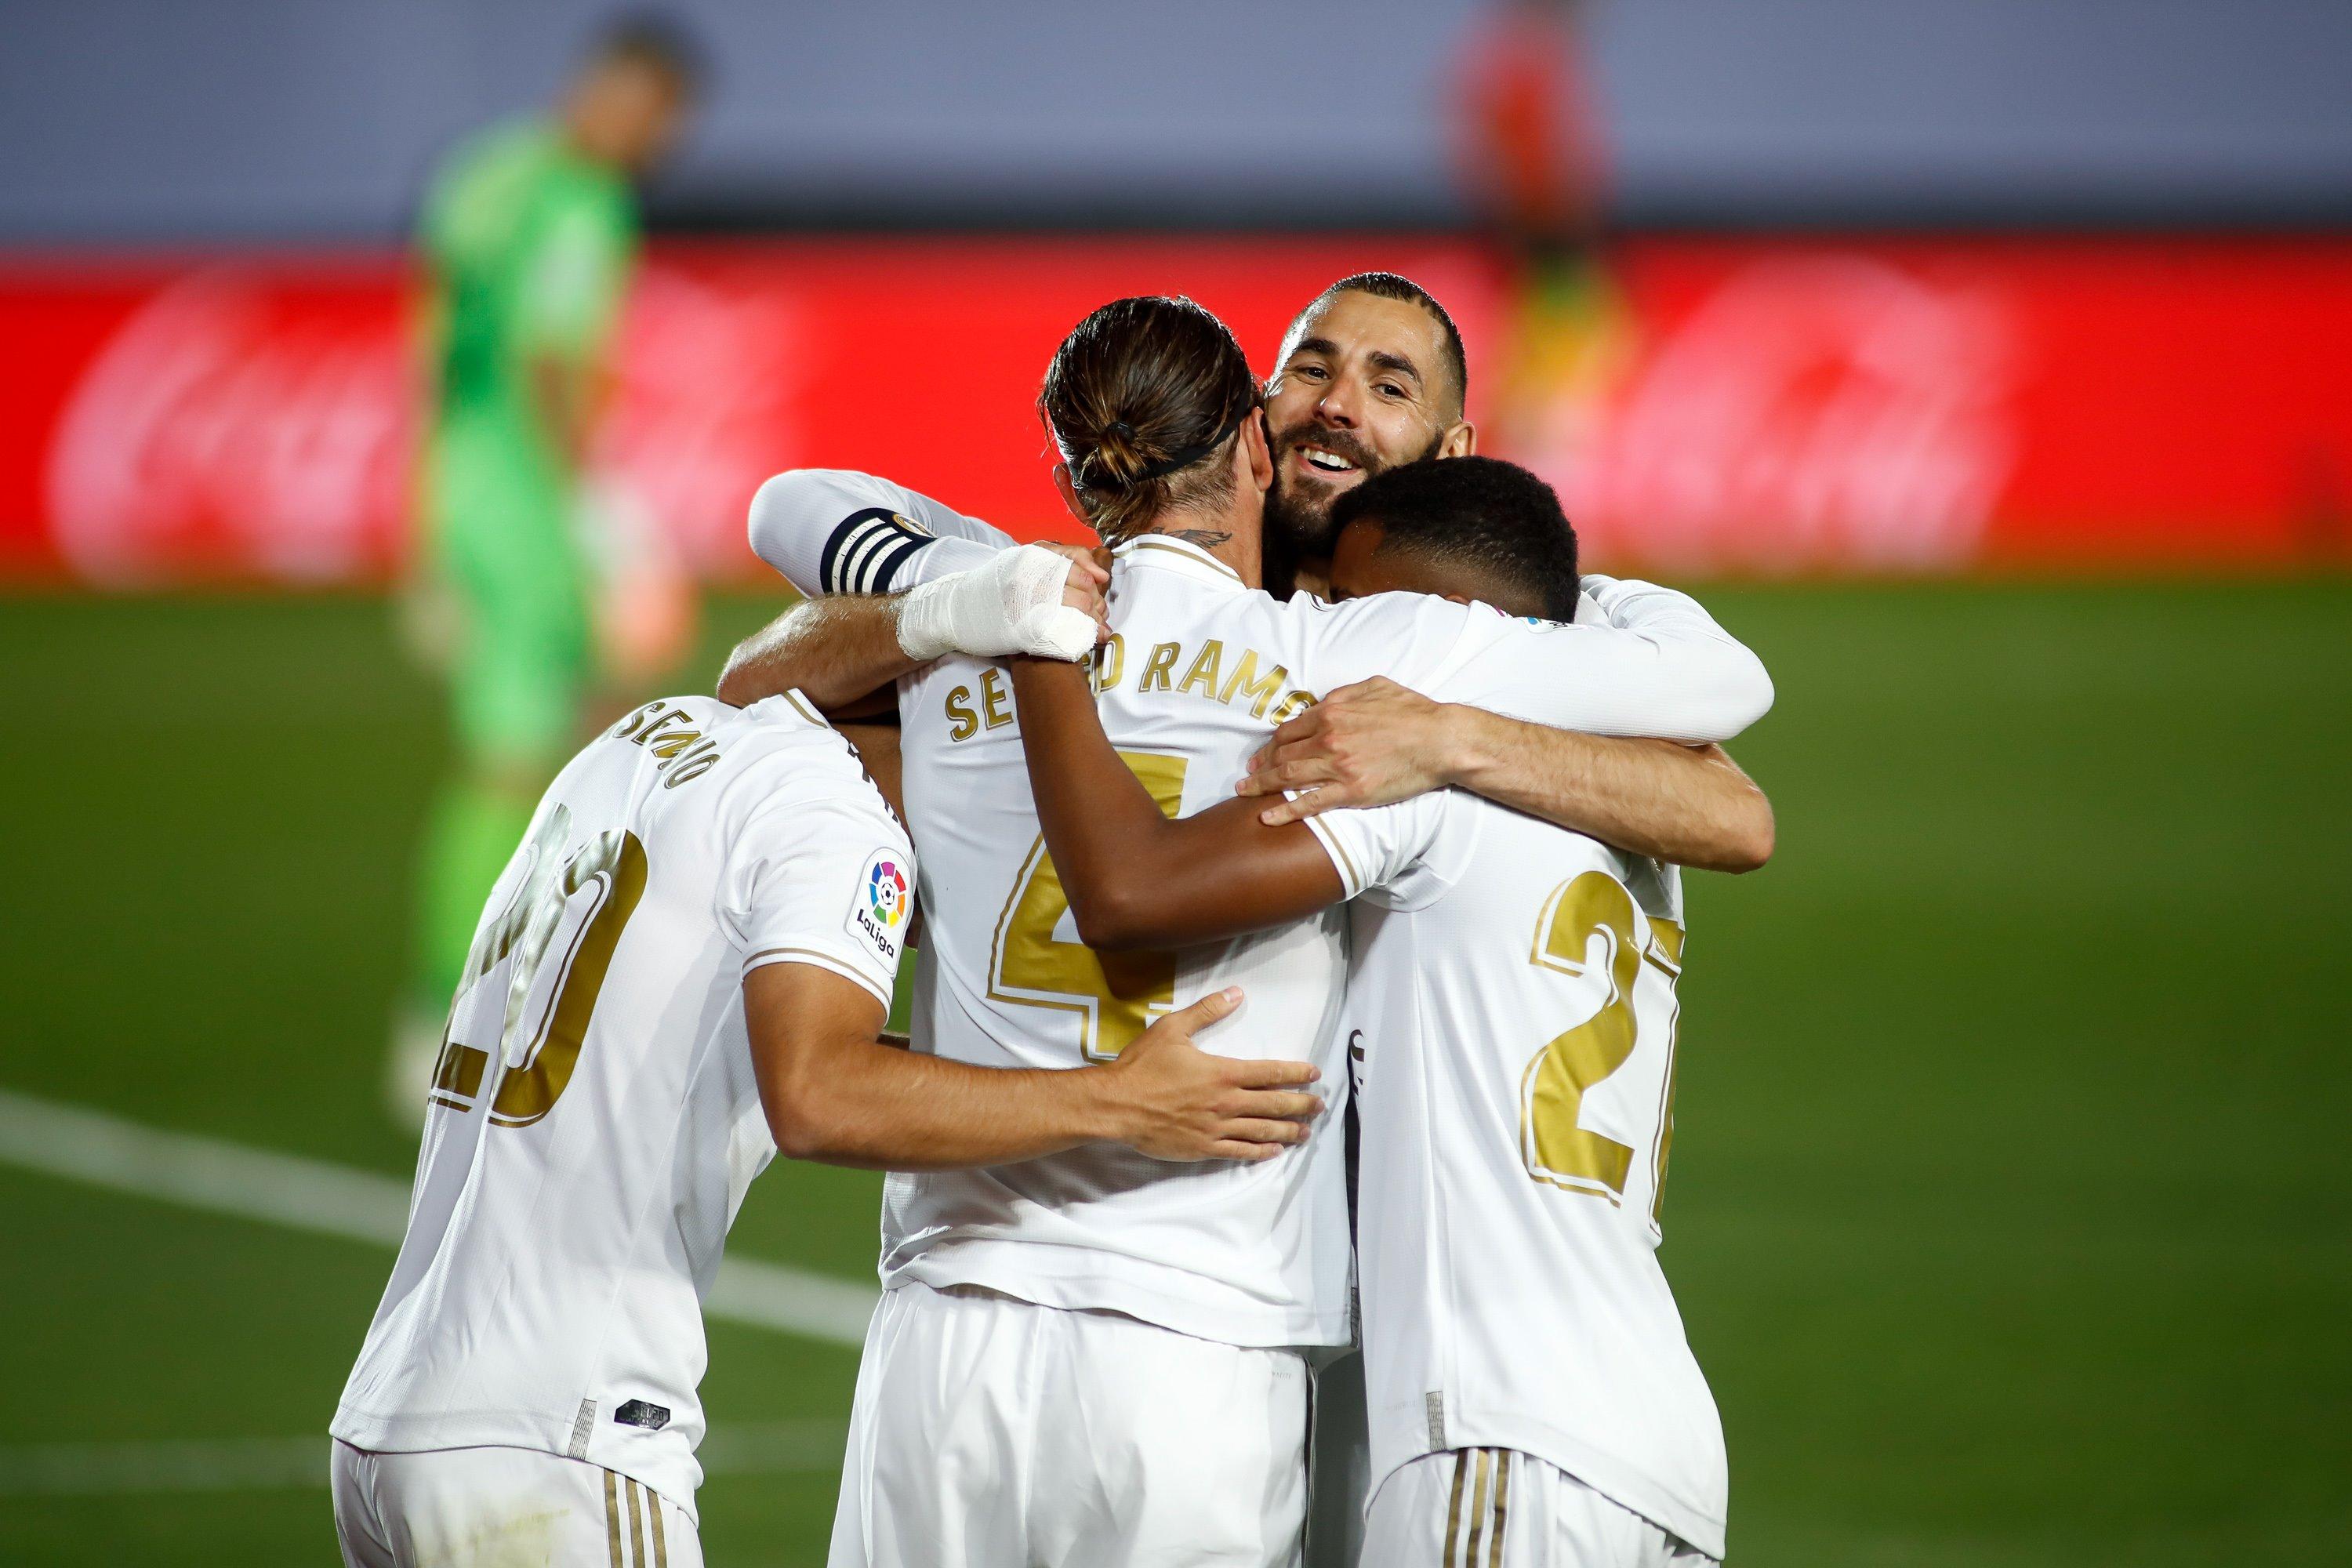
200,1173
273,1463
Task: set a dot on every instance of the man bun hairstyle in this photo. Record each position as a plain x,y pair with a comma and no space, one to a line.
1493,519
1395,286
1141,400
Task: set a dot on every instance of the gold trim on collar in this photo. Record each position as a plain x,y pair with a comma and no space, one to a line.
1162,542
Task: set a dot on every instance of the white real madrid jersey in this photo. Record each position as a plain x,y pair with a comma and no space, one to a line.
1512,1014
594,1119
1200,668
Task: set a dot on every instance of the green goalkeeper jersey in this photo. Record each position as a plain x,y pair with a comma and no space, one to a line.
529,246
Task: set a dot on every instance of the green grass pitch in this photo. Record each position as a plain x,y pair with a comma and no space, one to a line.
2011,1204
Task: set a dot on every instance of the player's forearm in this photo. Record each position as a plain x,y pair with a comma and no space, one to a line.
887,1109
1691,806
1101,825
1030,599
1134,876
834,651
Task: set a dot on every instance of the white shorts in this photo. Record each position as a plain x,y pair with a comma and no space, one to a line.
989,1430
467,1507
1492,1507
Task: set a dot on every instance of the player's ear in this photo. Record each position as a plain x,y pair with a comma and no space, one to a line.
1462,441
1252,447
1069,492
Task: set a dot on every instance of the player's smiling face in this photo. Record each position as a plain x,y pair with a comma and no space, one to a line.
1362,385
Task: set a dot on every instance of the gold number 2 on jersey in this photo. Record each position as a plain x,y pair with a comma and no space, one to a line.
539,1069
1115,994
1555,1146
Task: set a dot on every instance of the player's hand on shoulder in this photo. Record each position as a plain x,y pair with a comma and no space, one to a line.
1371,743
1088,585
1169,1099
1042,600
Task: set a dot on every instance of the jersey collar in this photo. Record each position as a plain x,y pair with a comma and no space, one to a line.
1169,553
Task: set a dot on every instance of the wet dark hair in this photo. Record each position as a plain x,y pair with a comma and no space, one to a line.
662,42
1492,518
1141,400
1394,286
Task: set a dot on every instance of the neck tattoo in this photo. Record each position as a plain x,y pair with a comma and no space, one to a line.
1206,538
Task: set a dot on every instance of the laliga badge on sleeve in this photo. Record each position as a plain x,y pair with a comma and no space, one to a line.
880,903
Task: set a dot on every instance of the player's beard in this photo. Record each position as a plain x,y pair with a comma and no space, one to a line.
1299,510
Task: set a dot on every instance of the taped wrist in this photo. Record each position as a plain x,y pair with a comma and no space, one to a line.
1011,604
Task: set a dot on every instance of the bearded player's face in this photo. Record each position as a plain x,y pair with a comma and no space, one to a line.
1362,385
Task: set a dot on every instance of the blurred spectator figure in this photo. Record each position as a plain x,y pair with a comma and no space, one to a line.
1534,156
527,242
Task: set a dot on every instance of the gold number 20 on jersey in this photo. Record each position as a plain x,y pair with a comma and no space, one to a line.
542,1065
1556,1147
1115,994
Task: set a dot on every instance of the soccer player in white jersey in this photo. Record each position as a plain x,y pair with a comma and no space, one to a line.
685,966
1371,373
1511,1011
1095,1360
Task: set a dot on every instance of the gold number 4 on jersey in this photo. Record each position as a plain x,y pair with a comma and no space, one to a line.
1115,994
1555,1146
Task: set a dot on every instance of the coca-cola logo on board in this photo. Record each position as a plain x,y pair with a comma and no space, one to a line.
237,423
223,421
1811,411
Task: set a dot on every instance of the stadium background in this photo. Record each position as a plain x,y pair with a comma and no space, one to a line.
1986,364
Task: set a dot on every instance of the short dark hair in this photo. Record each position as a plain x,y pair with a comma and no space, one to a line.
1491,517
1395,286
651,39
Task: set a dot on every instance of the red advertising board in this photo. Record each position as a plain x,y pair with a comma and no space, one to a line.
1750,407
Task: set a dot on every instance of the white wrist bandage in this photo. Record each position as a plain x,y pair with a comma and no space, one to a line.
1012,604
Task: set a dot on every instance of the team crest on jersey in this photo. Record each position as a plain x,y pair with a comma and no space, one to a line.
878,909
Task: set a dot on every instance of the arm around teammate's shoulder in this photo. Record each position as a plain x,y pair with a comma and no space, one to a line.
1690,805
1377,742
843,652
1650,662
1701,684
837,531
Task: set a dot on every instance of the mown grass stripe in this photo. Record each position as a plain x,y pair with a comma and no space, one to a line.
213,1174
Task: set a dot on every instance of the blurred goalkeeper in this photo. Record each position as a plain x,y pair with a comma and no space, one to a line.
527,239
